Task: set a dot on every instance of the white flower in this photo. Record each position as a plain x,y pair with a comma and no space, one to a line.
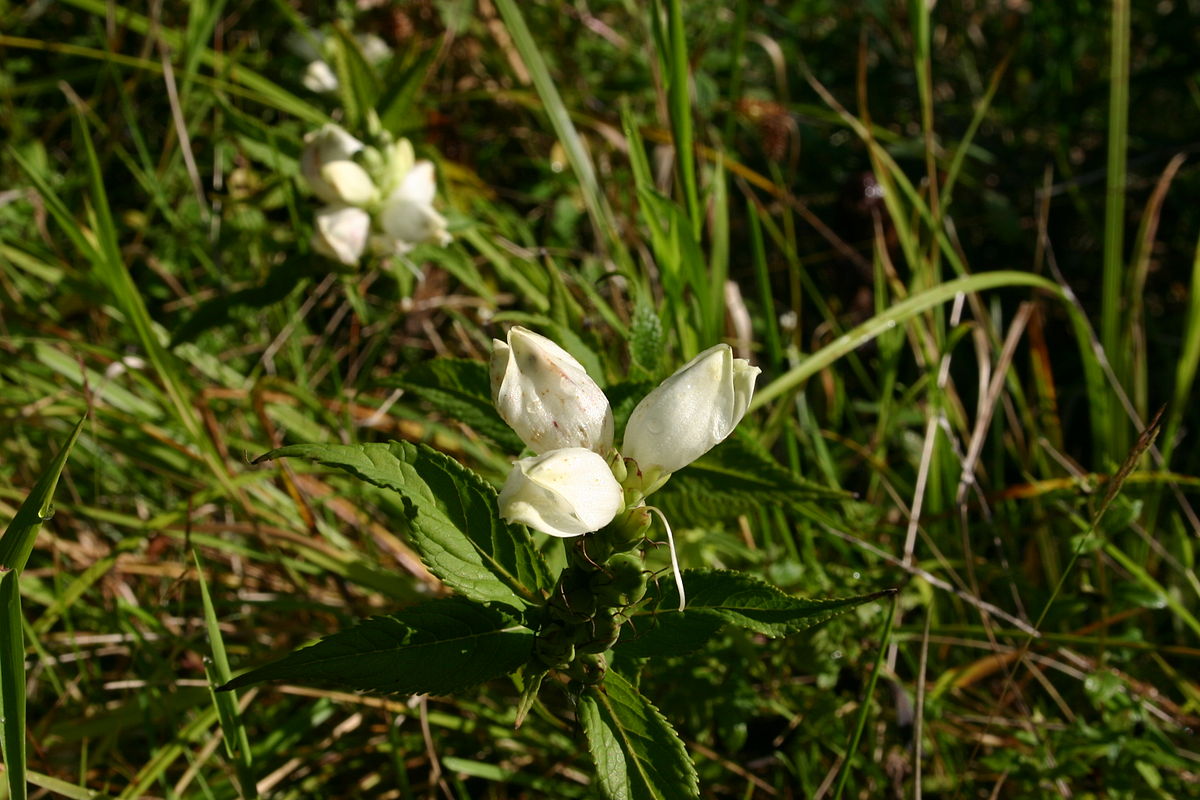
689,412
341,233
327,165
546,396
408,217
318,77
566,492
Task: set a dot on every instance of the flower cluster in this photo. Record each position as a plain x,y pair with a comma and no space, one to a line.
576,483
379,199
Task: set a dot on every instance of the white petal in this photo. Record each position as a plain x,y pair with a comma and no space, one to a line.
349,182
689,412
399,162
319,78
547,397
412,223
325,146
567,492
341,233
419,184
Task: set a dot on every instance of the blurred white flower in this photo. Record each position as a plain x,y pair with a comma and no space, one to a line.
565,492
689,412
341,233
328,166
315,47
546,396
408,217
318,77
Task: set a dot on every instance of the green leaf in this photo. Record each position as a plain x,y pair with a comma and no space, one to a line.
12,685
735,477
748,602
404,81
438,647
453,514
638,755
236,739
659,635
17,542
461,390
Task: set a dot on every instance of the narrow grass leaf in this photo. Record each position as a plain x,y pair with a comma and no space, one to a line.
236,739
17,542
12,684
741,599
453,514
638,755
267,91
564,128
438,647
885,636
680,103
902,311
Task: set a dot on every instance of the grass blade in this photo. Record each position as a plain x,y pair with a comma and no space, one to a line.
15,547
679,100
12,684
905,310
564,128
237,741
1114,223
17,542
885,637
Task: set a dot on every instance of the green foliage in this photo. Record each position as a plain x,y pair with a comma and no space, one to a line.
736,477
438,647
638,754
736,598
453,516
12,684
461,391
926,249
17,542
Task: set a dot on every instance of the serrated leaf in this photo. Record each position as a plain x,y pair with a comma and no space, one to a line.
461,390
674,634
735,477
638,755
750,603
455,523
438,647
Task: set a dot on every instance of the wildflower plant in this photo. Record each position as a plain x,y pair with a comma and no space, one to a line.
378,199
590,628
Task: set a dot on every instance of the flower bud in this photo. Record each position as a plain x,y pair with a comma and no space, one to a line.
408,216
398,161
341,233
690,412
546,396
327,166
318,77
566,492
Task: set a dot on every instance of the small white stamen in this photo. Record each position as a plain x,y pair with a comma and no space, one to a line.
674,558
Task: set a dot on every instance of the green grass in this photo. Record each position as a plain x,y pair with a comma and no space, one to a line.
967,355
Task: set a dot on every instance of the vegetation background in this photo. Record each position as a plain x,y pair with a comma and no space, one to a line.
1003,194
